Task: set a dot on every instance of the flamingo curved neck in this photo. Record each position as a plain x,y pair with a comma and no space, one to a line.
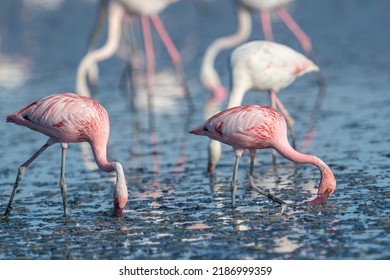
120,194
209,75
100,154
288,152
121,187
90,60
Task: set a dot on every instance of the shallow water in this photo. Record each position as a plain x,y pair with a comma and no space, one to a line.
176,210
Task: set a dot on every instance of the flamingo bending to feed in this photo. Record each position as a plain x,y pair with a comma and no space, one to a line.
116,10
255,127
67,118
263,66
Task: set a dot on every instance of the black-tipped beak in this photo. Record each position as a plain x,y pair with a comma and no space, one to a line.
118,212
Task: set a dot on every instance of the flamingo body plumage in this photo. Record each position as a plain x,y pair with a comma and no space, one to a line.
255,127
145,8
258,5
209,75
69,118
265,66
61,116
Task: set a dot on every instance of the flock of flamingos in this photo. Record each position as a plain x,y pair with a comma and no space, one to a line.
257,65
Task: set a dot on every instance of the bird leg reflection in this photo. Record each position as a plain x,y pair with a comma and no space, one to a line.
252,184
131,74
276,103
315,113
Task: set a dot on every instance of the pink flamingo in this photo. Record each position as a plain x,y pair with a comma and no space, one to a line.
67,118
116,11
255,127
263,66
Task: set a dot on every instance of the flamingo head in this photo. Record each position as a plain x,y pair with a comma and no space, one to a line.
120,191
119,205
214,147
326,188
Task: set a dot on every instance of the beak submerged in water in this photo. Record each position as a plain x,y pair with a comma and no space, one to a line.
118,212
327,187
118,207
321,198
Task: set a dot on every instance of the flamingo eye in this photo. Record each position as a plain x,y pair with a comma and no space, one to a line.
205,128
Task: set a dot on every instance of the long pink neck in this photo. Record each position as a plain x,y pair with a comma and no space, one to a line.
100,154
120,194
288,152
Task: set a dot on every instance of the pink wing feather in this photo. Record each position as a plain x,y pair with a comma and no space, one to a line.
67,117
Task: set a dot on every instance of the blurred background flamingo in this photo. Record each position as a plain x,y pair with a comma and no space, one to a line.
115,11
209,76
262,66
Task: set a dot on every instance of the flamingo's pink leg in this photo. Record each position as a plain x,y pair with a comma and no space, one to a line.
173,53
162,32
253,186
303,40
266,25
301,36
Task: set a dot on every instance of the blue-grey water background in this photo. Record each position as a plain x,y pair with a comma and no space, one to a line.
176,210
